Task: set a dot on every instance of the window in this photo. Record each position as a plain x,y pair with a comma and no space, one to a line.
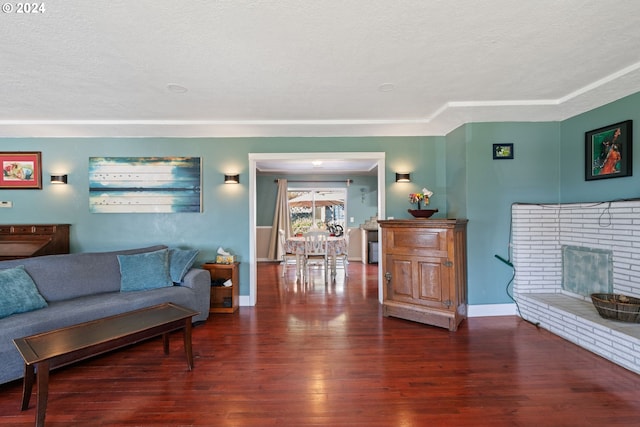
326,208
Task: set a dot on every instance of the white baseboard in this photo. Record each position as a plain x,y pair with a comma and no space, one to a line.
244,301
488,310
480,310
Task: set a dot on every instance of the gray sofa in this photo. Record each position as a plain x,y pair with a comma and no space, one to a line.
86,286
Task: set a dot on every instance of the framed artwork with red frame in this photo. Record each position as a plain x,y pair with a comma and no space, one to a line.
21,170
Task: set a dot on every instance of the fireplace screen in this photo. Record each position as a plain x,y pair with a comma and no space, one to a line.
587,270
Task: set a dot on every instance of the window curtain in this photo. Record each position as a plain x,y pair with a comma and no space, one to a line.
281,221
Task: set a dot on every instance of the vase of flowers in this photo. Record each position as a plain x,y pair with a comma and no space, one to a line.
418,199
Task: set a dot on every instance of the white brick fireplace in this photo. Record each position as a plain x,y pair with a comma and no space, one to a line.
539,234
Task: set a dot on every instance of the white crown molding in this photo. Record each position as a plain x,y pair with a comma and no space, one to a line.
448,117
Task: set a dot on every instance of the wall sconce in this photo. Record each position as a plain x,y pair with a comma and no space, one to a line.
403,177
231,179
58,179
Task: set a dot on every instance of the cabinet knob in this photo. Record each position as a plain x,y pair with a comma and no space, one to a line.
387,276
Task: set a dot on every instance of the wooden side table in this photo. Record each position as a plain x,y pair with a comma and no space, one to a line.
220,293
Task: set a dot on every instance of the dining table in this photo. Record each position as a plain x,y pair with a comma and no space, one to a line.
336,245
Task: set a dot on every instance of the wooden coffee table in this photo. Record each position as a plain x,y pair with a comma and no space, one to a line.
45,351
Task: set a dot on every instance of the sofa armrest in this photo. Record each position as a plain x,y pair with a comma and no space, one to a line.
196,277
200,281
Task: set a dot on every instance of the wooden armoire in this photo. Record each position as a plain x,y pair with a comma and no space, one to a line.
424,268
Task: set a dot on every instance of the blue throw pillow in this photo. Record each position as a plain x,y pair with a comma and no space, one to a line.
180,261
18,293
148,270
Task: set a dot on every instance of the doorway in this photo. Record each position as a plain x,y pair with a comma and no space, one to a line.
378,158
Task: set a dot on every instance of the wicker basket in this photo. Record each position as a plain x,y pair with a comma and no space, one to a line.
617,307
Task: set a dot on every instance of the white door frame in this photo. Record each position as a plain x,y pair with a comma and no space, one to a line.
254,158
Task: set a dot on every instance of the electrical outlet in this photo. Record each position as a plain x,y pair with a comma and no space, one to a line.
6,204
351,219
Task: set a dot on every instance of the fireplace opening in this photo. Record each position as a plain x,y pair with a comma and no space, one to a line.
586,271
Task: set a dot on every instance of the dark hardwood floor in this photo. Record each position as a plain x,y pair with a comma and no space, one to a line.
323,355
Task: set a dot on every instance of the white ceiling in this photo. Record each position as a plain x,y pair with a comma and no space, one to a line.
309,68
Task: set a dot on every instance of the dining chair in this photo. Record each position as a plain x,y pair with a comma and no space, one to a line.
345,256
316,249
285,255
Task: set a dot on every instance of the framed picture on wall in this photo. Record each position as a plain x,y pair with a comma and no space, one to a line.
608,151
144,184
21,170
502,151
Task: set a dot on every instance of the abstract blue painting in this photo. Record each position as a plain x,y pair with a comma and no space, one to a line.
144,184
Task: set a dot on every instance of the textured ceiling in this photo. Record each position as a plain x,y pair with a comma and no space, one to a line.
309,68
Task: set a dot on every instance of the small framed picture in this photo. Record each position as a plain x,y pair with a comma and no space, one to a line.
608,151
503,151
21,170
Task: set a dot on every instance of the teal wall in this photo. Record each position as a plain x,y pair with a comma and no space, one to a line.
424,158
548,168
573,187
456,160
490,187
225,217
224,221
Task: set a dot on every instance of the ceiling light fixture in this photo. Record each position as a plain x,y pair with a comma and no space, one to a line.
386,87
176,88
